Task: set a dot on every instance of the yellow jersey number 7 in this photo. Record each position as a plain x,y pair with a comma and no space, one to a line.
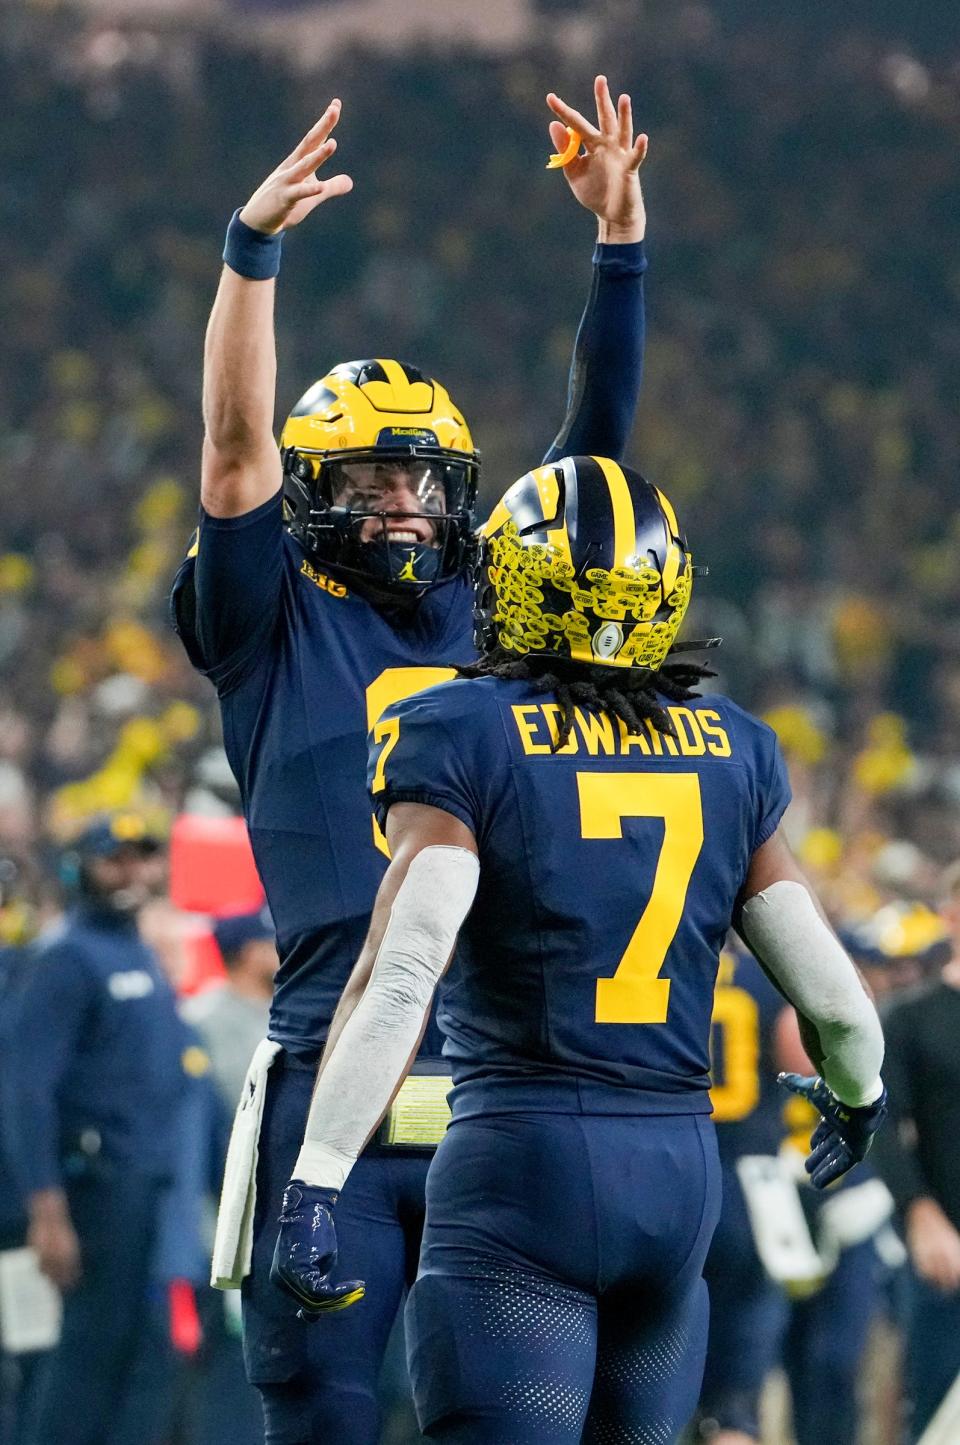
394,684
636,994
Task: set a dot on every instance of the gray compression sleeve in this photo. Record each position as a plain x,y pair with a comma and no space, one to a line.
368,1059
788,935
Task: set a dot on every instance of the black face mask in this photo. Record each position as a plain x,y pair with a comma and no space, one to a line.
399,562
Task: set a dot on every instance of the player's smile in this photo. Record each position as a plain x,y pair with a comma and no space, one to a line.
410,529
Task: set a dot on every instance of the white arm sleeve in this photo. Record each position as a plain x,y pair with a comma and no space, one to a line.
368,1059
787,934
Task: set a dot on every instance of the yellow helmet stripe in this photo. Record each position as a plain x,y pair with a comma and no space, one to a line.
671,514
547,485
496,519
674,559
671,568
549,489
624,521
395,374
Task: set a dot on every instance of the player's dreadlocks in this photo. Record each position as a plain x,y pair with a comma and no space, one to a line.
628,694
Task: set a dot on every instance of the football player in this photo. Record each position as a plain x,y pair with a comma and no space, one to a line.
589,827
326,581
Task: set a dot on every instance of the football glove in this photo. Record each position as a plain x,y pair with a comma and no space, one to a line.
306,1253
844,1134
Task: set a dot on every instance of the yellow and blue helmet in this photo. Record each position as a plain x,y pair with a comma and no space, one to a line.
583,559
380,475
902,930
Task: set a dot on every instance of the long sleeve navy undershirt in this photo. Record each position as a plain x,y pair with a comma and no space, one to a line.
607,367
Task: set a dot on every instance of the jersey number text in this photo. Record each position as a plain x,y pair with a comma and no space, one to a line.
636,994
394,685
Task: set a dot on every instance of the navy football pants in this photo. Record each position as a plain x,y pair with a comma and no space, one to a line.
748,1315
560,1294
318,1381
824,1344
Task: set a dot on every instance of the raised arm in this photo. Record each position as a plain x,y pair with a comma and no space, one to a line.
227,591
607,367
241,463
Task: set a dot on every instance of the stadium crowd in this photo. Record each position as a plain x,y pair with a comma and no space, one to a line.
799,400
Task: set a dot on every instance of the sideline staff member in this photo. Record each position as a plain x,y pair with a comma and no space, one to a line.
94,1073
919,1164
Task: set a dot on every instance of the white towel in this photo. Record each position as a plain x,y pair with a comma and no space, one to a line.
233,1242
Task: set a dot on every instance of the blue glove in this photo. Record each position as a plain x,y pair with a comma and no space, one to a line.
306,1252
844,1134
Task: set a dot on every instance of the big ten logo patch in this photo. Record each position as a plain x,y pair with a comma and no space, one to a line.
321,580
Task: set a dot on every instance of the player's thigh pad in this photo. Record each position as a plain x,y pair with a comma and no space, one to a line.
649,1368
513,1352
500,1324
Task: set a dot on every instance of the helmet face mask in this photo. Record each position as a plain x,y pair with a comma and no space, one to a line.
401,518
583,560
397,510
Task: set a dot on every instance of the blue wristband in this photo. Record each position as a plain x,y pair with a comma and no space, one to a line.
621,258
250,253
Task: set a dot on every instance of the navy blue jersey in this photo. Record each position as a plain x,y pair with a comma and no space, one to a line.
747,1101
608,876
300,683
304,667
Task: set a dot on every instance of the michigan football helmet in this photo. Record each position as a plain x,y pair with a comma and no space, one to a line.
380,475
583,559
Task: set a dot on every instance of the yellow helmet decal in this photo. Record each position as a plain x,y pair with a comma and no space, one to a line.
626,614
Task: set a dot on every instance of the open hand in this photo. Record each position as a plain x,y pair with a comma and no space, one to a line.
844,1134
934,1245
293,190
606,179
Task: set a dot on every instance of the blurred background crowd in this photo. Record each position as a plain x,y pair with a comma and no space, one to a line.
799,402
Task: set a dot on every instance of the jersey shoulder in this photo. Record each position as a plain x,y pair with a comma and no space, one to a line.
236,585
441,746
754,737
462,705
756,746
